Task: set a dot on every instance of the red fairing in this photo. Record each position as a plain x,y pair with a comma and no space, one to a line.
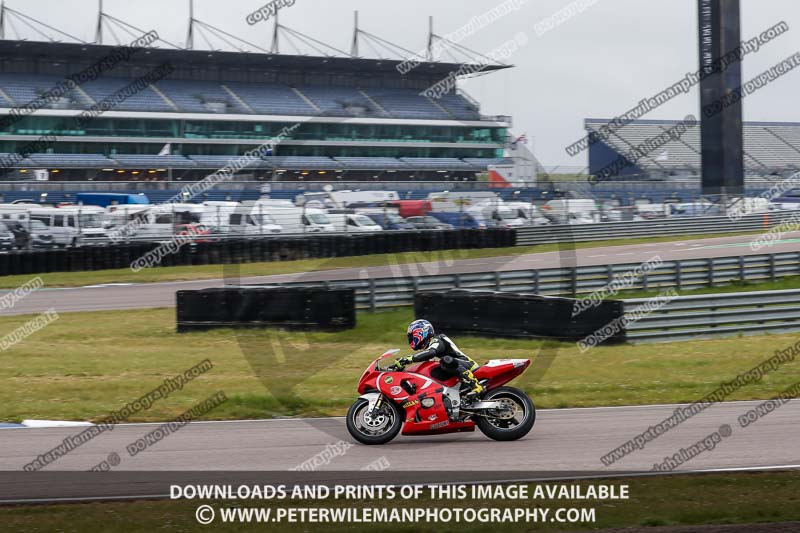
501,371
408,390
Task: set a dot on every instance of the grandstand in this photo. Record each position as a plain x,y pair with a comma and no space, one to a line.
360,119
771,148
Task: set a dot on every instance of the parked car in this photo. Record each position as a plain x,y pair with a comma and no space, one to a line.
459,220
390,221
7,240
40,234
428,222
22,239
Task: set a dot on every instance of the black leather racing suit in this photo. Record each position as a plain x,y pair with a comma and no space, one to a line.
441,346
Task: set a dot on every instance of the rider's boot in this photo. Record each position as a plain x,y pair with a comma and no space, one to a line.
470,385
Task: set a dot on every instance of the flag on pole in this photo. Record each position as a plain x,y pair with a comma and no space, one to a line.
166,150
521,139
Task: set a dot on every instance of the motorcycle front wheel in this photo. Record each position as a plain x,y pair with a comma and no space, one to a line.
514,421
378,430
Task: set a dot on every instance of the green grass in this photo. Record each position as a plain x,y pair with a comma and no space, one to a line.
790,282
199,272
85,365
656,501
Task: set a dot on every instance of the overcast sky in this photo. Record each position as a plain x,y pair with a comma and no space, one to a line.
597,63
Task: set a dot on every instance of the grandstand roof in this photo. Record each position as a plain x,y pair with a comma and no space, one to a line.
79,52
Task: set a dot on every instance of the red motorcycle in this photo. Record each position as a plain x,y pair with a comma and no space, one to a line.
425,400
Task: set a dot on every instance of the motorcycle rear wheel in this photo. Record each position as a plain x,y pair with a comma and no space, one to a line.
379,431
513,428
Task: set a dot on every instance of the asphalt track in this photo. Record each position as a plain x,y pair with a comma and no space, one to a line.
564,444
148,295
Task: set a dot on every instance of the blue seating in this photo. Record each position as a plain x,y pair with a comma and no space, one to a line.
25,88
72,160
372,163
271,99
145,100
459,107
153,161
407,103
199,96
436,163
340,101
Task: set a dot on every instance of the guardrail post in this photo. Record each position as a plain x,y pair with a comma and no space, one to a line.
457,283
742,271
372,295
772,267
574,280
536,281
678,275
497,285
710,267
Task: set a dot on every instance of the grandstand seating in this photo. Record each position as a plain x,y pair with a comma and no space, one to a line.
372,163
459,107
25,88
72,160
303,163
271,99
340,101
144,100
436,163
407,103
153,161
197,96
215,162
769,147
242,98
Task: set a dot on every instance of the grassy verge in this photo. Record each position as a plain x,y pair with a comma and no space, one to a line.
678,500
85,365
790,282
125,275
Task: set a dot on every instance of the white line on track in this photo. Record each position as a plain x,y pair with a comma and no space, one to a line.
254,420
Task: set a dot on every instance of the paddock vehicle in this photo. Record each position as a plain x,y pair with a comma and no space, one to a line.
353,222
72,226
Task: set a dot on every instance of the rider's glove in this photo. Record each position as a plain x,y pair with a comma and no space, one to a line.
404,361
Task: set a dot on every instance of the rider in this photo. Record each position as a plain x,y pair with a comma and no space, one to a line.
422,337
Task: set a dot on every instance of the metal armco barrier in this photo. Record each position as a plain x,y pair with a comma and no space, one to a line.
400,291
712,315
528,236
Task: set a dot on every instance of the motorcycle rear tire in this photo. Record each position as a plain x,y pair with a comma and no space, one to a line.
493,432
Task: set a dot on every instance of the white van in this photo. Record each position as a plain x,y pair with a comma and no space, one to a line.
293,219
496,214
353,222
572,211
239,219
529,213
153,221
73,226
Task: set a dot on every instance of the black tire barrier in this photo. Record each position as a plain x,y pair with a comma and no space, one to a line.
258,307
277,248
504,314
